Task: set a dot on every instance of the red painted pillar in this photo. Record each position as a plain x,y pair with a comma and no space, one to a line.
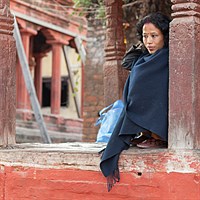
114,75
38,76
56,78
56,40
184,93
23,101
21,88
7,76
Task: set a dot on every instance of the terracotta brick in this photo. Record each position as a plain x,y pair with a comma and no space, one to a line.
92,99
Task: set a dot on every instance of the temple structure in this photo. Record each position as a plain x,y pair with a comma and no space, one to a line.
45,28
71,170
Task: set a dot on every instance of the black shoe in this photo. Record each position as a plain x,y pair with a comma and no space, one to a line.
138,140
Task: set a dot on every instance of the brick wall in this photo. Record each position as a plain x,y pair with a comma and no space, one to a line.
93,78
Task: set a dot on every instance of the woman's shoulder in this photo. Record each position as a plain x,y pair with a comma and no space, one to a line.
131,56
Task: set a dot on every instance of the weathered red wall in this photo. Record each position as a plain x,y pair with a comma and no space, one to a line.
71,172
18,183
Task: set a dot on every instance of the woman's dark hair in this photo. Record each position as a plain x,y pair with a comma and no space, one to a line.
160,21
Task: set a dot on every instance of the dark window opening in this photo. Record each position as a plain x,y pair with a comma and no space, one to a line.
64,92
46,92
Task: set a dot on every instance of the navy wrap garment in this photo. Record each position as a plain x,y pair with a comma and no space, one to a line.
146,108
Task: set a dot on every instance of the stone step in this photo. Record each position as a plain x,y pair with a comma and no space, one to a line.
32,135
69,125
51,127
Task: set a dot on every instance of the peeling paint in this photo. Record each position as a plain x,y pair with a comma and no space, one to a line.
181,162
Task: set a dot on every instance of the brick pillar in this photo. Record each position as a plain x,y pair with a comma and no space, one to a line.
38,76
23,101
7,76
184,93
114,75
93,78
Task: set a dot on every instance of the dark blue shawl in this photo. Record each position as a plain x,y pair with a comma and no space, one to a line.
146,108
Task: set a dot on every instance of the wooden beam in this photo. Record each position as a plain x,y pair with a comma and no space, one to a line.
68,65
81,49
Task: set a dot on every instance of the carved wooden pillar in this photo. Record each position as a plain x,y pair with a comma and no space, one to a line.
38,76
114,75
184,93
7,76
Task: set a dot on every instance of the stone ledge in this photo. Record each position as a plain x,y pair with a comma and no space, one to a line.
85,156
71,171
63,155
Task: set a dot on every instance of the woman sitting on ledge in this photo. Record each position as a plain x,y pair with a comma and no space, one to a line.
144,120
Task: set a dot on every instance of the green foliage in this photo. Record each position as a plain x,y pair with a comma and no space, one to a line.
101,10
83,3
88,8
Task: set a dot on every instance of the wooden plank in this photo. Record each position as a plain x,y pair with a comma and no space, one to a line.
81,49
29,84
71,79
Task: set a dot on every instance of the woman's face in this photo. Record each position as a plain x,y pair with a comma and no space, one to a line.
153,38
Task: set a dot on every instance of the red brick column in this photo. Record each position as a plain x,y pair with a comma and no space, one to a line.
7,76
93,90
114,75
184,94
38,76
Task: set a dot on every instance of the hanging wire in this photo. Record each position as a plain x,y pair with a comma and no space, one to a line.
132,3
73,7
55,7
68,11
53,10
